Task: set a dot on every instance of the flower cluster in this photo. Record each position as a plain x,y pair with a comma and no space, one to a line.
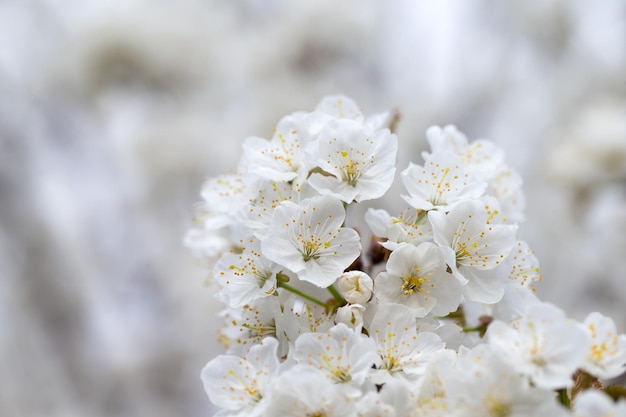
435,315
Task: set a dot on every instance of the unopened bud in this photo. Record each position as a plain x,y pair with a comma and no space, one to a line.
351,315
355,286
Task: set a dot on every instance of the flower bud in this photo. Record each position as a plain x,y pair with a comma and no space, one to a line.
351,315
355,286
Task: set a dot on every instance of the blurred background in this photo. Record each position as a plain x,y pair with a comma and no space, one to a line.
113,113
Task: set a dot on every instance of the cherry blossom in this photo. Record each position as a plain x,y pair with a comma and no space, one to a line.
246,275
440,184
473,242
309,240
416,277
240,384
606,351
450,326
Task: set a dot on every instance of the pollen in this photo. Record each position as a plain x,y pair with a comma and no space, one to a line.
414,282
349,168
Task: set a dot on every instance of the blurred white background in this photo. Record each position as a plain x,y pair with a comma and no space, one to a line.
112,114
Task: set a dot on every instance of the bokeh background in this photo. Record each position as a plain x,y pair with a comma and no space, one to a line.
113,113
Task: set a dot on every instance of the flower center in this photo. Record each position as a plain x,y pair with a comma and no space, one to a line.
261,331
598,351
413,282
286,152
496,408
311,248
350,169
463,254
249,389
442,187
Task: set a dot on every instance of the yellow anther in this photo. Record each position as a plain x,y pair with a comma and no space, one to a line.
413,282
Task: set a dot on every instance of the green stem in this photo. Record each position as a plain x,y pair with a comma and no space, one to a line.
303,295
340,300
563,397
472,329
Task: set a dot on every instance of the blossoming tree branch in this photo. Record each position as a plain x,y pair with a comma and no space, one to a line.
435,315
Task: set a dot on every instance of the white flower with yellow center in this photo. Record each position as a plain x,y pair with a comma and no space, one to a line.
341,354
250,324
302,391
543,345
245,275
472,242
440,184
356,164
506,187
482,159
309,240
240,385
219,231
403,352
226,194
416,277
521,269
410,226
300,317
606,351
483,385
257,214
278,159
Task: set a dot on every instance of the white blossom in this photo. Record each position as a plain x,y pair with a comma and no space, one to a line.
416,277
343,355
340,107
410,226
250,324
440,184
403,351
472,241
606,351
309,240
447,139
246,275
278,159
227,193
357,164
241,384
506,187
543,345
305,337
303,391
299,317
521,269
483,385
481,159
257,214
